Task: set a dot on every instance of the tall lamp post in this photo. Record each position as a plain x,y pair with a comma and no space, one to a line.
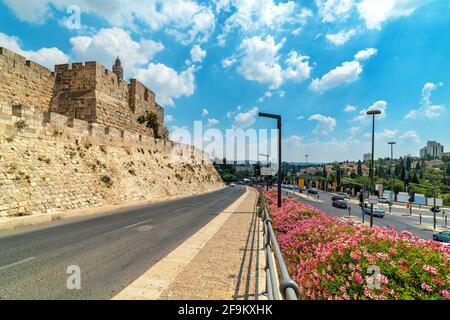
278,118
372,113
392,143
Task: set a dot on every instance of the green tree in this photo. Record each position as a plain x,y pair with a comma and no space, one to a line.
150,119
359,170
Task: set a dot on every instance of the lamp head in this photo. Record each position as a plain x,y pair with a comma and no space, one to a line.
373,112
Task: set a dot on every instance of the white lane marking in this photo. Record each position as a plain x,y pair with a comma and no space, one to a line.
145,228
137,224
178,210
16,263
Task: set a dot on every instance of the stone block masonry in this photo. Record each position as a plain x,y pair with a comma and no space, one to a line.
50,163
84,91
24,82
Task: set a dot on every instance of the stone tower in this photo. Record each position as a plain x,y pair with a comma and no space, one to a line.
118,69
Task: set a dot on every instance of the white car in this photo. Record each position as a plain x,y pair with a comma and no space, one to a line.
232,184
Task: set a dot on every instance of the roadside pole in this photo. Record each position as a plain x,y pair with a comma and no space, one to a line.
434,209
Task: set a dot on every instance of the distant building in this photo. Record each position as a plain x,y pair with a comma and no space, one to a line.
445,154
432,148
434,163
367,157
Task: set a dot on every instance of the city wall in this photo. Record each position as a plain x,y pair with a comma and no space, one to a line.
52,163
24,82
84,91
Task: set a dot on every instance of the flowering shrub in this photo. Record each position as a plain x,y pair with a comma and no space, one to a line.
330,259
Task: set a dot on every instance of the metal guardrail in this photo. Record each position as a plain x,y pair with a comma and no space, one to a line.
288,288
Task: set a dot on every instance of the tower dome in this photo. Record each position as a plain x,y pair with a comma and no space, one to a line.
118,69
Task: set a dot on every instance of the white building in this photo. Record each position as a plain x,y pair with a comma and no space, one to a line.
432,148
367,157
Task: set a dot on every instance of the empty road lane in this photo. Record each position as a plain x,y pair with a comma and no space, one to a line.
111,250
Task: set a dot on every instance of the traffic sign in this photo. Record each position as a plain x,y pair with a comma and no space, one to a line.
373,199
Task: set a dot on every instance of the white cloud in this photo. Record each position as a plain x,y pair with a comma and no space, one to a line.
349,109
30,11
388,134
410,136
379,105
335,10
107,44
375,12
212,122
47,57
166,82
197,54
169,118
298,68
354,130
187,20
205,112
346,73
228,62
267,94
341,38
245,119
257,15
427,108
325,124
364,55
260,62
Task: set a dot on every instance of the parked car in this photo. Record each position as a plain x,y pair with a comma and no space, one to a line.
377,212
340,204
313,191
343,195
384,200
334,198
443,236
232,184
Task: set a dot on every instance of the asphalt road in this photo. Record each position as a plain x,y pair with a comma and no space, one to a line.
111,250
399,222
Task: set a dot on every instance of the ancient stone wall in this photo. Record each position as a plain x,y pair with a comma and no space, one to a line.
74,91
24,82
85,91
50,163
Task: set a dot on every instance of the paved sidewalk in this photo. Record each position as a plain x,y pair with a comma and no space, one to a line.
223,261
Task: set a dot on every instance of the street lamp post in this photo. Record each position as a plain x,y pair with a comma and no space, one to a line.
392,175
372,113
278,118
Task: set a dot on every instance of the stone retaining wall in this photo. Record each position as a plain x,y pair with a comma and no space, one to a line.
49,164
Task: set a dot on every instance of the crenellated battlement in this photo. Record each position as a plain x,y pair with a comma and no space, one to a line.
31,122
86,91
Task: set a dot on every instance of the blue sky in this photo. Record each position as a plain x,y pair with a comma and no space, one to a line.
321,64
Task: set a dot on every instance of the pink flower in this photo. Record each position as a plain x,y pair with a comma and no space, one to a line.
382,256
358,278
430,269
426,287
383,279
445,294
